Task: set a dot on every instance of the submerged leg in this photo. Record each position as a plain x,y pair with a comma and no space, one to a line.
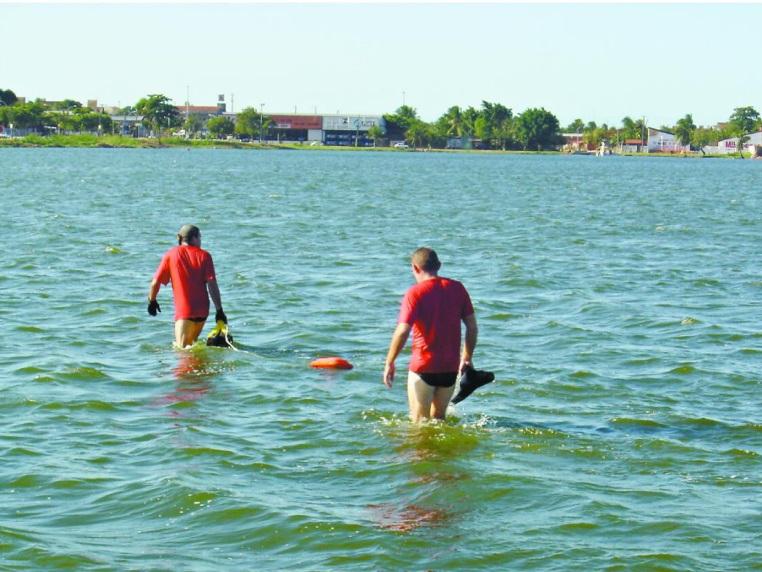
419,396
441,399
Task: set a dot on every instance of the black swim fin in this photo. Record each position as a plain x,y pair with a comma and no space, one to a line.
220,336
470,381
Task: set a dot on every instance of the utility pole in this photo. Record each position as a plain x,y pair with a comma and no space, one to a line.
261,120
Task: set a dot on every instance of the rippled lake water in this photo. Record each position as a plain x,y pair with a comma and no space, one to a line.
619,305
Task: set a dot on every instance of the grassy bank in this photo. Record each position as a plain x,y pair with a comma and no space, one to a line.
118,141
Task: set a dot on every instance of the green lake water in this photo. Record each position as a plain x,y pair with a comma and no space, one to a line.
618,301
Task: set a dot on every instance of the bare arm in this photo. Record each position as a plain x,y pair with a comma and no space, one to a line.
472,333
401,332
153,290
214,293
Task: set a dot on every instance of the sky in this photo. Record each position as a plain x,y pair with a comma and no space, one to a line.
598,62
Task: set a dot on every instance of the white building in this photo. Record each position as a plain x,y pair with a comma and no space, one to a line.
727,146
350,129
664,142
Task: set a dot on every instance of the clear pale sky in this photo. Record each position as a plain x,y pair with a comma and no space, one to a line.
594,61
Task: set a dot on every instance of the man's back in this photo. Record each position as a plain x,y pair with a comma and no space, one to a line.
434,309
189,268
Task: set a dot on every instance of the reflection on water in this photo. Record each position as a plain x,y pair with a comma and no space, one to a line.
434,453
193,374
408,518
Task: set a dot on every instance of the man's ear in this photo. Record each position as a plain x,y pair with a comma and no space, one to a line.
416,269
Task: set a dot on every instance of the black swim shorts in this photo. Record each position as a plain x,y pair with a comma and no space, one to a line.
446,379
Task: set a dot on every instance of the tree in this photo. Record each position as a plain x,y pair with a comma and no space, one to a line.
375,132
630,129
158,112
744,119
419,134
66,105
27,115
219,126
89,120
684,129
594,137
399,122
193,123
704,137
537,129
470,115
576,126
252,123
62,121
495,117
451,124
7,97
482,129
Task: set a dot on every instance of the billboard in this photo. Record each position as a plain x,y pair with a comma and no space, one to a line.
296,121
351,122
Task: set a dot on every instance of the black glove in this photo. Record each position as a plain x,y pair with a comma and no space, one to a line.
153,307
220,315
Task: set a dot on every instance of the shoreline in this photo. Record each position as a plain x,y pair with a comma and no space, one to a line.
87,141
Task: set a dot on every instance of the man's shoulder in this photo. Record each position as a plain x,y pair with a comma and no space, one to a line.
452,283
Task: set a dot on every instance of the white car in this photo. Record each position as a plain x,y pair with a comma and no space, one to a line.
401,145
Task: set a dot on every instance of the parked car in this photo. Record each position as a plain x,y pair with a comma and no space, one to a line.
401,145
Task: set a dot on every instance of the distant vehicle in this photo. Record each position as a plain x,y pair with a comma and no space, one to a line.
313,143
401,145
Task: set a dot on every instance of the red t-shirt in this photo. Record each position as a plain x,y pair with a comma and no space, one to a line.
189,268
434,309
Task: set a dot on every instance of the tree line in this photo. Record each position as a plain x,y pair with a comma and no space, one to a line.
491,126
742,121
66,115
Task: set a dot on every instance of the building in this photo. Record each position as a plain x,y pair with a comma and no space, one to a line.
350,130
632,146
130,125
575,143
203,111
296,127
660,141
728,146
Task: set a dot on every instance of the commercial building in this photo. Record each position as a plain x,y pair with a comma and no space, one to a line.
347,130
296,127
728,146
350,129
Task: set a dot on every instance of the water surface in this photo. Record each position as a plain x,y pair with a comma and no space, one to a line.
618,303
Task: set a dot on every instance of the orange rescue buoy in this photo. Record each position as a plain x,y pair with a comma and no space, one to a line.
331,363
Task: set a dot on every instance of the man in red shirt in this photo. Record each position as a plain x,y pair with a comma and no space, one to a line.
433,309
191,271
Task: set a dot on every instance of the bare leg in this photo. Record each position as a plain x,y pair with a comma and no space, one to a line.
442,396
187,332
419,397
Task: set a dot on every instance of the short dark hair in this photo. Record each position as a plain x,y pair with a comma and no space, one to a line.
187,233
426,259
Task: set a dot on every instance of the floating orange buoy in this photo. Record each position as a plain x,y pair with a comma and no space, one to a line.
331,363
